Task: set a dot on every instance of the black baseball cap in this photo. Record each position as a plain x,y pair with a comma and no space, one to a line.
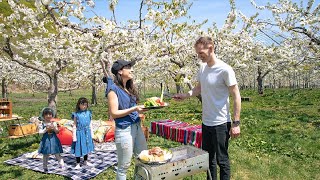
119,64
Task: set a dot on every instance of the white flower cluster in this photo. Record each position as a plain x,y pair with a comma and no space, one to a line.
163,46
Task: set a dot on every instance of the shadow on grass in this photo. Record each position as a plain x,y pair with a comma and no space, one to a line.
14,146
14,172
20,145
316,124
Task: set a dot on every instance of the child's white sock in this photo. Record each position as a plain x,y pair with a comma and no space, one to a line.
87,163
60,160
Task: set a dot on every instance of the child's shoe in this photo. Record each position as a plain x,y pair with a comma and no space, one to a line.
78,166
88,164
61,163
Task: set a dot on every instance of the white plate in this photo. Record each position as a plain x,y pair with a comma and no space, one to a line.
156,107
149,159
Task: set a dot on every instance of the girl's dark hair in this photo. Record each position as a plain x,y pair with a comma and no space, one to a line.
45,111
129,86
81,100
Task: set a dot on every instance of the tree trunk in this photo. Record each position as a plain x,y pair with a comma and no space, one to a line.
179,88
260,81
254,77
33,89
53,93
177,80
4,88
94,91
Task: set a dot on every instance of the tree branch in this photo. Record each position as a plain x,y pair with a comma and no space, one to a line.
266,73
269,37
72,26
304,31
140,14
172,73
180,64
7,48
301,30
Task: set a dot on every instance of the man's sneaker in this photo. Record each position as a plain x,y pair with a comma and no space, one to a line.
88,164
77,166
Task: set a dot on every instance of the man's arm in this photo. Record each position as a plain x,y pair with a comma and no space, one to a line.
194,92
235,93
235,130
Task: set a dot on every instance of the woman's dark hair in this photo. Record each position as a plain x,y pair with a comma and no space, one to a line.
82,100
129,86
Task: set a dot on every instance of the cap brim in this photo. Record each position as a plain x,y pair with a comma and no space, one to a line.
131,63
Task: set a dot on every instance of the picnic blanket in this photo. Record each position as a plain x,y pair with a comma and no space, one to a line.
103,157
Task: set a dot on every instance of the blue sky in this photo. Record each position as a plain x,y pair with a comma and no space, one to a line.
213,10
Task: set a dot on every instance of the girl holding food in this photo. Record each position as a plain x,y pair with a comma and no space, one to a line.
50,143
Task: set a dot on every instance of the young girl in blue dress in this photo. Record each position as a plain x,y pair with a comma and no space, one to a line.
82,132
50,144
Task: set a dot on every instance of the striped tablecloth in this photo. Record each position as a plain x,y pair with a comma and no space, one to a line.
178,131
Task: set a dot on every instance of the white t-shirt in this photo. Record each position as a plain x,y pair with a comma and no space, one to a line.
215,82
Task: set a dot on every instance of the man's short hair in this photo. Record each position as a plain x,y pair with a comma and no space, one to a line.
204,41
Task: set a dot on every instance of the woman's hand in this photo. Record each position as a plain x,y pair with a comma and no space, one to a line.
141,109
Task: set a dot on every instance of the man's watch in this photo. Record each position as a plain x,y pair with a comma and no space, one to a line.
236,122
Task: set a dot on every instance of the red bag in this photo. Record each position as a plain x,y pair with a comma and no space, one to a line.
110,131
65,136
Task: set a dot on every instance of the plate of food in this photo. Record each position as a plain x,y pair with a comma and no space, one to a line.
154,103
155,155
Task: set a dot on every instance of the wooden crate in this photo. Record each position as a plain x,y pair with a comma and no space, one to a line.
23,129
5,109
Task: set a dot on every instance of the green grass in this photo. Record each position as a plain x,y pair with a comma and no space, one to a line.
280,133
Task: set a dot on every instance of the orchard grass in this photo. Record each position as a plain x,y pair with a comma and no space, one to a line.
279,139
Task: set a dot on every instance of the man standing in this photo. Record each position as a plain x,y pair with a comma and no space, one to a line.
216,80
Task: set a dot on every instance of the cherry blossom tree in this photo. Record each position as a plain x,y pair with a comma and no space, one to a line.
296,25
34,43
43,39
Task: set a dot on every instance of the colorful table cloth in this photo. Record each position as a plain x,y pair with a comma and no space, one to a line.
178,131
